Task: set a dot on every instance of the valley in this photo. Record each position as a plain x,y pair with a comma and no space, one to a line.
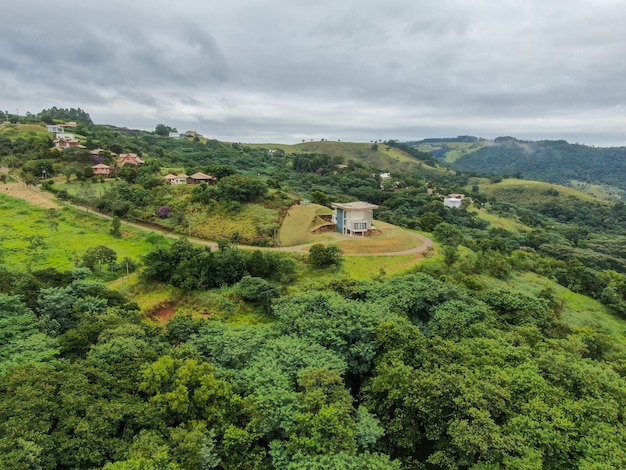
198,307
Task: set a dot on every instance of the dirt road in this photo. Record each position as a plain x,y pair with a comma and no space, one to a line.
44,199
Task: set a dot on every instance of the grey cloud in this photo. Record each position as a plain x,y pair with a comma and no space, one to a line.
282,69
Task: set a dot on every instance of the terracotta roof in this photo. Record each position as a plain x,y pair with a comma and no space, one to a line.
169,176
131,156
202,176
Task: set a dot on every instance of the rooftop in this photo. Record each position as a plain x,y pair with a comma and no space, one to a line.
358,205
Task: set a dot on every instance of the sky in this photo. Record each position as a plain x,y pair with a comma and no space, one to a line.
283,71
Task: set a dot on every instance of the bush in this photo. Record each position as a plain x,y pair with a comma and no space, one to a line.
163,212
321,256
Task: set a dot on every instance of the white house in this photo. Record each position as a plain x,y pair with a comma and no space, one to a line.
454,202
353,217
179,179
55,128
64,136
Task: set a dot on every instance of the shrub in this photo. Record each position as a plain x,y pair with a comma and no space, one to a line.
163,212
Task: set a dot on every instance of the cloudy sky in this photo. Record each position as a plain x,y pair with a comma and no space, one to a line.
355,70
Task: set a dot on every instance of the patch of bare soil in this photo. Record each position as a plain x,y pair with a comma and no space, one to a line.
30,195
161,313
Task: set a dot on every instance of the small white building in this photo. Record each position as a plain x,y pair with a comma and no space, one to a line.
179,179
64,136
454,202
353,217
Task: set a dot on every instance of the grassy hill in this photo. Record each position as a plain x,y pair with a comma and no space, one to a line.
530,192
382,157
601,171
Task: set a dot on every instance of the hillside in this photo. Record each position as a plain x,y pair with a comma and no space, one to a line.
596,170
498,345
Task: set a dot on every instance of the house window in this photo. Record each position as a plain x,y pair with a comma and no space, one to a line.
360,225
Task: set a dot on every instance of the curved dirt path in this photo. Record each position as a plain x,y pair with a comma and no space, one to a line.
41,198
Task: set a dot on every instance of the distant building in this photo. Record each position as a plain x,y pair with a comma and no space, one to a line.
64,136
129,159
353,217
453,202
102,170
55,128
199,178
179,179
67,143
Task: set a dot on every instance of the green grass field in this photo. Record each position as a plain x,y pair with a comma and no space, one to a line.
578,311
497,221
389,159
456,149
28,240
529,192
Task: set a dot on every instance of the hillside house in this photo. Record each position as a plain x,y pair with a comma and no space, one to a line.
199,178
177,179
99,152
129,159
453,202
59,128
102,170
353,217
55,128
67,143
64,136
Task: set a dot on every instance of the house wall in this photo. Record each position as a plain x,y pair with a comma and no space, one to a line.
346,218
452,202
340,215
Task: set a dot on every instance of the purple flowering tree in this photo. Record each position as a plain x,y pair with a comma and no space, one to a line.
163,212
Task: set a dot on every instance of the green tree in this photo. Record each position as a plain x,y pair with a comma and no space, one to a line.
97,256
163,130
241,188
429,221
257,290
321,256
115,227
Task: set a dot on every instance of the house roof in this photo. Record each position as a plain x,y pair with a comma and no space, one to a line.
169,176
131,156
202,176
182,175
68,124
101,165
358,205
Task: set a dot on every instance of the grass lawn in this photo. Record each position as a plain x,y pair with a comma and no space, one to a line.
578,310
502,222
301,220
29,240
297,225
528,192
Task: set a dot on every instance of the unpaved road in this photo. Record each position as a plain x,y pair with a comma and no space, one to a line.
43,199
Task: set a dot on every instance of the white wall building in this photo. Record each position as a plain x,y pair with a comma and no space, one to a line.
353,217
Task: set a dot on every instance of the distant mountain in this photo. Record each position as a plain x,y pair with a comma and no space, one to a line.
552,161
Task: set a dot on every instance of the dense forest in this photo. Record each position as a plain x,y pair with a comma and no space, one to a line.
502,347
